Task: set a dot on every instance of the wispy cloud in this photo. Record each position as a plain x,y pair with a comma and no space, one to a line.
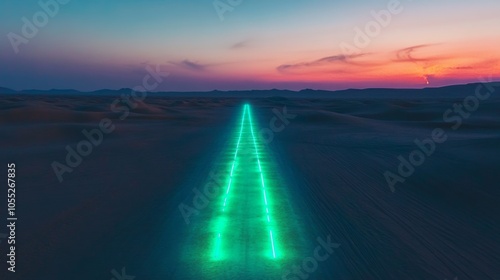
344,59
408,54
475,65
461,68
240,45
190,65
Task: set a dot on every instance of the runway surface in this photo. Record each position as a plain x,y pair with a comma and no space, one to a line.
246,227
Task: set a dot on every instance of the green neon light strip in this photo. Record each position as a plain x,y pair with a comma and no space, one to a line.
247,107
234,160
272,242
263,185
219,241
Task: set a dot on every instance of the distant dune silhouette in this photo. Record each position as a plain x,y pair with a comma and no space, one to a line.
446,91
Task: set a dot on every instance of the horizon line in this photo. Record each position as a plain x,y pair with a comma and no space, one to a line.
245,90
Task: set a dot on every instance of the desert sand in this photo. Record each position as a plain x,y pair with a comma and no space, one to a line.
119,208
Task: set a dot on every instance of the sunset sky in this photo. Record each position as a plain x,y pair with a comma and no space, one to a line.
287,44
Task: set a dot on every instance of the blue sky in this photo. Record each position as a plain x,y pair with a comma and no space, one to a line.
92,44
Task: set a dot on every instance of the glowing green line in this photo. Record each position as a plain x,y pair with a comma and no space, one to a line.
234,160
272,242
219,241
232,168
218,251
230,179
261,176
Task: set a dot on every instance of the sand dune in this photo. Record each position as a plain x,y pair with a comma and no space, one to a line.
119,207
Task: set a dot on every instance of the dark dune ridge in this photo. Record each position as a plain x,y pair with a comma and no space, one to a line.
119,207
373,93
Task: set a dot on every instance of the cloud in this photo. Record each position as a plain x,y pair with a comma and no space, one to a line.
190,65
344,59
482,64
407,54
461,68
240,45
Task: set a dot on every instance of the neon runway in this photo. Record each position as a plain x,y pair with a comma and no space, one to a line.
244,177
249,229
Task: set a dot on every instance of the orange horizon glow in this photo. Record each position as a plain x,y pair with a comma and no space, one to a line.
259,46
